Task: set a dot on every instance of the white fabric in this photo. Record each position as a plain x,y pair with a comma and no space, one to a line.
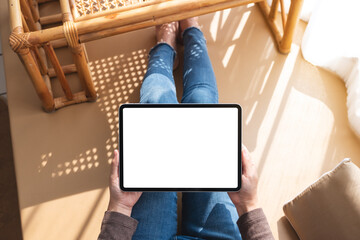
332,41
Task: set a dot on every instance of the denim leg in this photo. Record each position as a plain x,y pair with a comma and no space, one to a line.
198,76
157,216
158,85
209,215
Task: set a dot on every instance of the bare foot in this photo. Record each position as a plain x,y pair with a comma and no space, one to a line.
190,22
167,33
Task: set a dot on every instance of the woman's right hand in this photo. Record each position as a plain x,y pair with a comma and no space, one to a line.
246,199
120,201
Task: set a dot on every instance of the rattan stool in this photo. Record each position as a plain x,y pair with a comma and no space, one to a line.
87,20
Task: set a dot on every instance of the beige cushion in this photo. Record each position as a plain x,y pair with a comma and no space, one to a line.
330,207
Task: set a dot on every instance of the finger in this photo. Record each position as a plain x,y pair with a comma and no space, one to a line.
246,160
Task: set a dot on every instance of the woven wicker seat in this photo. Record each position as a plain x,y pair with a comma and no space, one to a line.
86,20
88,7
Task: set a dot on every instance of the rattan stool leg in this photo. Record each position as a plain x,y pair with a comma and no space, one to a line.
78,52
292,19
58,70
84,72
39,60
283,41
38,82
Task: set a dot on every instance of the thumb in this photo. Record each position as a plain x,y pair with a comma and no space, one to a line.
246,160
115,165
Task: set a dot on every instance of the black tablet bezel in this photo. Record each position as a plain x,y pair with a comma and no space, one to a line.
138,105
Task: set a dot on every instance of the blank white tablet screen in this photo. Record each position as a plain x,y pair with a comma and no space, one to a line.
180,147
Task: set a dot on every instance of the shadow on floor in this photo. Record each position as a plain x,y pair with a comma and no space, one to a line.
10,224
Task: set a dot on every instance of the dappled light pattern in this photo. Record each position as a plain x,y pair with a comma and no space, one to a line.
159,63
87,160
116,79
44,161
195,52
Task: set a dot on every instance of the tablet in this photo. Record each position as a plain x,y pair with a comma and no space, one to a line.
180,147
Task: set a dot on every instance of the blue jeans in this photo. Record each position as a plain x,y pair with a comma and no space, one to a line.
205,215
198,77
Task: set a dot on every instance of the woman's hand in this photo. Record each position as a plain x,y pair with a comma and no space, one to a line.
120,201
246,199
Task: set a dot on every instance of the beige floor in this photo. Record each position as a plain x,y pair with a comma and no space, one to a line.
295,123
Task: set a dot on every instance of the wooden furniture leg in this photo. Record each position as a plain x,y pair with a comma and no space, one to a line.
38,82
80,60
58,70
40,60
20,45
72,38
283,40
84,72
291,21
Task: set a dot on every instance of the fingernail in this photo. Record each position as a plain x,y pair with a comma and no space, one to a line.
245,151
244,148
